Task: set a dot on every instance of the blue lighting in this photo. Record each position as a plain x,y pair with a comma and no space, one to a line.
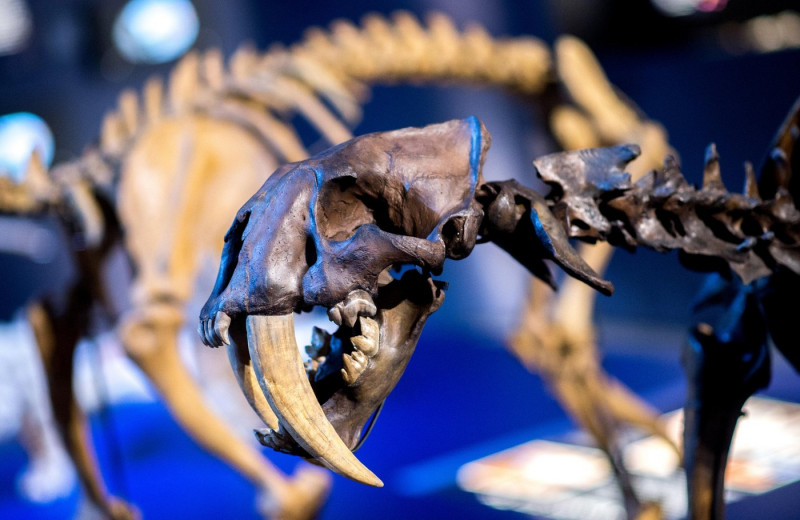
20,134
155,31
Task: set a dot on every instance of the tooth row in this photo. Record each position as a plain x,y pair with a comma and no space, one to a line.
215,331
357,303
354,365
369,339
276,362
365,346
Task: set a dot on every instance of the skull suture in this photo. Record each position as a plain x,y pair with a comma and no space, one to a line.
327,231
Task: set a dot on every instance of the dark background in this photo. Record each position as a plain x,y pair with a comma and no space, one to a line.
461,390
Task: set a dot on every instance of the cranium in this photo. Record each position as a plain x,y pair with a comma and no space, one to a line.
327,232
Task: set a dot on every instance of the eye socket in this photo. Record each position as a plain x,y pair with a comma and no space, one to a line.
345,204
341,209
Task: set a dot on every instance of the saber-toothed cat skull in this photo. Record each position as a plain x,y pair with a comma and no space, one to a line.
327,231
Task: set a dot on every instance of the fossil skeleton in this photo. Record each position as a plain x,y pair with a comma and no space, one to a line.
249,103
751,240
328,231
727,357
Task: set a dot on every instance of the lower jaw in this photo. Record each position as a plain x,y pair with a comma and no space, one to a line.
322,417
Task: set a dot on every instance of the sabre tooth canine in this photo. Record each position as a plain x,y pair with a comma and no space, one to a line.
283,379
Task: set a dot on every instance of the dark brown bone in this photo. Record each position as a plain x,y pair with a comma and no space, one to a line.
727,358
712,228
324,232
403,307
321,228
519,220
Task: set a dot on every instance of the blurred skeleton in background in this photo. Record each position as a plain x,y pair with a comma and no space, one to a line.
556,336
174,164
25,413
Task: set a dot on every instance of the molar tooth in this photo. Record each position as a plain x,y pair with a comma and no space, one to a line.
312,365
359,357
358,303
320,338
348,370
369,327
312,351
350,316
319,348
365,345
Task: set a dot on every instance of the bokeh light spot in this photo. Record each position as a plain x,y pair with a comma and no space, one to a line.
16,26
20,134
155,31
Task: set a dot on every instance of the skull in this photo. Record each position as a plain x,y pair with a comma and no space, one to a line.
328,232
